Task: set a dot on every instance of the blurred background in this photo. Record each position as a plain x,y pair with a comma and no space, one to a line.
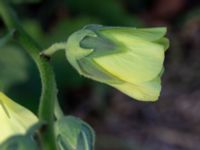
121,123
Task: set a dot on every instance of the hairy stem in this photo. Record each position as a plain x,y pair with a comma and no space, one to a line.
52,49
58,111
49,90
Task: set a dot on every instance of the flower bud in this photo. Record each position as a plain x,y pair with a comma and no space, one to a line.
128,59
14,118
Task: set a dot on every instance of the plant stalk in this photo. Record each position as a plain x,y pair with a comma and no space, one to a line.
49,90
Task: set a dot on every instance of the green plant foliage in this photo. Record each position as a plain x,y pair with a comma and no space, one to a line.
24,1
19,143
74,134
34,29
116,15
13,64
6,38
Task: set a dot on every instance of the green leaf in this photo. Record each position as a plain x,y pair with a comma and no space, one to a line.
6,38
24,1
33,27
74,134
13,64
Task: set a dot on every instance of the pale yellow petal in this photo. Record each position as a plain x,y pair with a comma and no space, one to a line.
148,91
14,118
141,62
149,34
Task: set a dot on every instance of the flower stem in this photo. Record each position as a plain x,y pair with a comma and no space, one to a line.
49,90
58,111
52,49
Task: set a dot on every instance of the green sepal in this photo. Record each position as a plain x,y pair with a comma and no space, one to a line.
73,50
19,143
86,138
94,71
98,44
74,134
101,46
